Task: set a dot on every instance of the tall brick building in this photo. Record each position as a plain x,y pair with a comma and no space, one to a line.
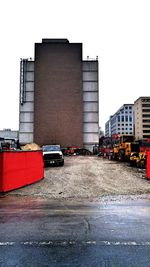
59,96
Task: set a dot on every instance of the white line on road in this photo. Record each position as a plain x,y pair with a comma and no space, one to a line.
66,243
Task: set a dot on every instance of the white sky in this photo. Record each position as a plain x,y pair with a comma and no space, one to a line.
117,31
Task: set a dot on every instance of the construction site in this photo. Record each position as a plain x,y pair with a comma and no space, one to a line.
89,178
70,196
59,124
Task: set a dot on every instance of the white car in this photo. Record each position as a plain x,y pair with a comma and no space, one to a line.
52,155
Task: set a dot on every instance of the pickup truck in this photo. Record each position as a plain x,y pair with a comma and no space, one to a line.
52,155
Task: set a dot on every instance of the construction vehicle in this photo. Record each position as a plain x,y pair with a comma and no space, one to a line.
133,159
117,148
139,159
124,147
120,148
105,147
114,155
8,144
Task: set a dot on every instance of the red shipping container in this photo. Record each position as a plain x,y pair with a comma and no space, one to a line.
148,165
20,168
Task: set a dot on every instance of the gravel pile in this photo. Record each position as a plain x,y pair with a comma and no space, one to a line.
85,177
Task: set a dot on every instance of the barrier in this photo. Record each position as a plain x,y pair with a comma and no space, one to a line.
148,165
20,168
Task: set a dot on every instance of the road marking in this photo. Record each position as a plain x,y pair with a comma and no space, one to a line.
7,243
67,243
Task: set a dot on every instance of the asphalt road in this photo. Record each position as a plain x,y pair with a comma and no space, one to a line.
42,232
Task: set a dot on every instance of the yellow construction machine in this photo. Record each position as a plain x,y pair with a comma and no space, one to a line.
126,146
139,159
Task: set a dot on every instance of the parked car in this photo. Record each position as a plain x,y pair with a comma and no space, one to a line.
83,152
52,155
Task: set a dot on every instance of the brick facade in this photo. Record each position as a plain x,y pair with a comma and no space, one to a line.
58,103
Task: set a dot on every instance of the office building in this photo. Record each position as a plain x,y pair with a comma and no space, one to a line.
142,118
122,122
59,96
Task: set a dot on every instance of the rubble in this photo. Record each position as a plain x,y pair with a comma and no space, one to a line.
90,178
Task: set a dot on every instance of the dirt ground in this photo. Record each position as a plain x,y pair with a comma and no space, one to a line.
85,177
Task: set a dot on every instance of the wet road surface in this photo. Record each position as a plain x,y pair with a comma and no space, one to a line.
41,232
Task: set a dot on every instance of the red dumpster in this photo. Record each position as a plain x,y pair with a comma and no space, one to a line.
20,168
148,165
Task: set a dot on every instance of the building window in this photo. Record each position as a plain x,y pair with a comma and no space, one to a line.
146,120
145,105
145,100
126,118
146,115
122,118
130,118
145,110
146,131
146,136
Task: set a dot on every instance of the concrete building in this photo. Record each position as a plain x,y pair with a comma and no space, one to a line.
26,105
59,96
122,122
9,134
108,127
142,118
